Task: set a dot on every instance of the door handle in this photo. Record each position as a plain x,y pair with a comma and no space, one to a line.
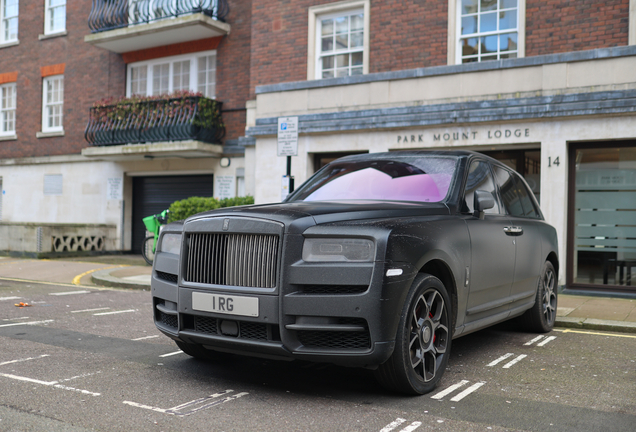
513,230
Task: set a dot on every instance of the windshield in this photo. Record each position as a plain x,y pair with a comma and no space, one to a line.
420,179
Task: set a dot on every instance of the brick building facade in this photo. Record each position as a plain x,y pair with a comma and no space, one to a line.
546,86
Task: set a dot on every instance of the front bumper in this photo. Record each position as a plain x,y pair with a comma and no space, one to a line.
342,313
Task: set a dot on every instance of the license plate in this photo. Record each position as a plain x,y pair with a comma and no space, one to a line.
225,304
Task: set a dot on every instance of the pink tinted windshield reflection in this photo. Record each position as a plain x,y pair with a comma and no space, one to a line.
372,184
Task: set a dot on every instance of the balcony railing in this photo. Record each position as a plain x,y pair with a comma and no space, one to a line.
138,121
113,14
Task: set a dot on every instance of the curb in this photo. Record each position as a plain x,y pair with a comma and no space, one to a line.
103,278
596,324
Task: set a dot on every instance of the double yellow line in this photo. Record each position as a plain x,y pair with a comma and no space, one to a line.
596,333
76,279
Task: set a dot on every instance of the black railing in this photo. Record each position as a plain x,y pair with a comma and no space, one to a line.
138,121
113,14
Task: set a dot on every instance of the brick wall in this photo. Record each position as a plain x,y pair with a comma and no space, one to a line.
89,74
279,41
233,68
413,33
403,35
268,44
557,26
408,34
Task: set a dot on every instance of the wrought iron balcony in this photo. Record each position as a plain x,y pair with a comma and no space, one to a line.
138,120
114,14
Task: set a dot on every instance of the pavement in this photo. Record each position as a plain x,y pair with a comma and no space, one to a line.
593,311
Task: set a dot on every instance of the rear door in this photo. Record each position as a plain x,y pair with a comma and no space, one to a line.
525,231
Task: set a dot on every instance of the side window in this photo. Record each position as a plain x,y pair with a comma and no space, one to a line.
526,202
516,198
479,178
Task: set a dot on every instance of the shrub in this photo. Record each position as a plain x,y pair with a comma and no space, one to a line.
190,206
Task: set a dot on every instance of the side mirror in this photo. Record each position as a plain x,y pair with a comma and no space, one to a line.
483,201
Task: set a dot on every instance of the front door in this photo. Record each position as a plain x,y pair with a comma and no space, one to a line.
492,252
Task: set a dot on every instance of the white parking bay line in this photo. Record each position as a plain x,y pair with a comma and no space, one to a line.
115,312
412,427
192,406
9,298
515,361
49,384
146,337
547,340
449,390
23,360
500,359
537,339
91,310
31,380
26,323
468,391
395,423
69,293
171,354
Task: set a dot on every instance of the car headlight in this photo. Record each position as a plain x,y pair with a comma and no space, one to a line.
338,250
170,243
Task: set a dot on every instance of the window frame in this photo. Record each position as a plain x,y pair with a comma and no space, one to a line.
150,64
46,105
315,13
454,52
4,111
47,18
3,22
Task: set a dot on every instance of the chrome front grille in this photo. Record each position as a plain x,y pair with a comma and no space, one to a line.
245,260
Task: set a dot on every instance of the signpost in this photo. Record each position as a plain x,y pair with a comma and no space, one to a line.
287,146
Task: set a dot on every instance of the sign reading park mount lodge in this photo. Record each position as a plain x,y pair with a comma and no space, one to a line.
463,135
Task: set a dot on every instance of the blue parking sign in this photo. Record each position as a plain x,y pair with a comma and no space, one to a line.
283,126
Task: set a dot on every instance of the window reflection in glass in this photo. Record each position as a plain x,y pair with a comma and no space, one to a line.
494,23
425,179
341,45
479,178
469,6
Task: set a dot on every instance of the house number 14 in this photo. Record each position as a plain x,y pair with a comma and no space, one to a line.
555,162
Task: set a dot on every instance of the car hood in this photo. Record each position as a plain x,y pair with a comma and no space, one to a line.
298,216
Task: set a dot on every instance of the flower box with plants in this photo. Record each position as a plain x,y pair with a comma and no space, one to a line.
179,116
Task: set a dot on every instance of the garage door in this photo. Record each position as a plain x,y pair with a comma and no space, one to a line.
152,195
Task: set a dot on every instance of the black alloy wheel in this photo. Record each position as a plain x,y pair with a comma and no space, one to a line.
423,341
541,317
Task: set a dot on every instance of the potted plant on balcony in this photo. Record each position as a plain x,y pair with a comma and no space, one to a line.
178,116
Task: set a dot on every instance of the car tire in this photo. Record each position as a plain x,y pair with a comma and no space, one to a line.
541,317
196,351
423,341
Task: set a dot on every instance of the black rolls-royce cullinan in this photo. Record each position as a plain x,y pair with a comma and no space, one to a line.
376,261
